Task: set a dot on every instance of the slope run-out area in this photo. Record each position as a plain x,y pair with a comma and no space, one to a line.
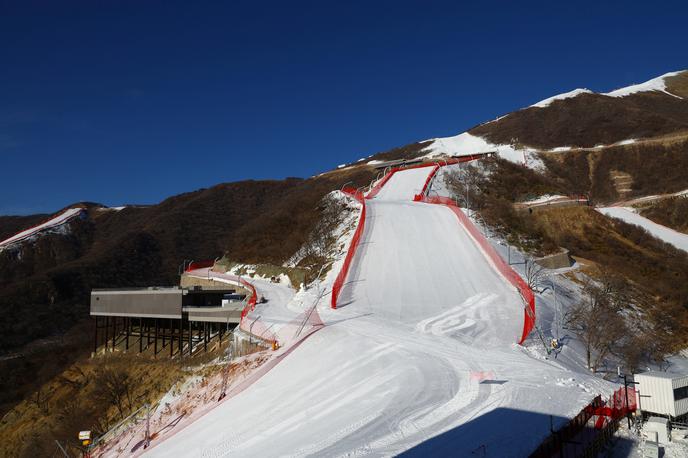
419,357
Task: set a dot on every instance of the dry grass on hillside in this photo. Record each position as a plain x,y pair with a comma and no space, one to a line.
653,168
591,119
678,85
672,212
95,394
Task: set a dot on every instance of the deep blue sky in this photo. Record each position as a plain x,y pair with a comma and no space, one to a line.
133,101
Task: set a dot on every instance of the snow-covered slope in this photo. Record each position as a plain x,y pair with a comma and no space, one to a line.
627,214
420,350
520,125
52,224
466,144
655,84
565,95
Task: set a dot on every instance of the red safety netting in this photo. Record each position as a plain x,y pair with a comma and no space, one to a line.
378,186
502,267
193,265
253,298
620,405
339,281
437,164
423,191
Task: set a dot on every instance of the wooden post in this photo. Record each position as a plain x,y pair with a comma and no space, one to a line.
205,336
171,337
181,337
115,321
95,338
155,345
107,327
190,340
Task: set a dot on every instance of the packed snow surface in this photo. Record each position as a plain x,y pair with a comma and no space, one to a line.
545,198
675,238
466,144
655,84
565,95
404,185
420,357
54,222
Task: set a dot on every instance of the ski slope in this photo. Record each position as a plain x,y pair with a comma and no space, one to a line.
52,223
420,267
419,357
627,214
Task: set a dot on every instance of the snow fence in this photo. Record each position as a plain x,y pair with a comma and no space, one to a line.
502,267
341,277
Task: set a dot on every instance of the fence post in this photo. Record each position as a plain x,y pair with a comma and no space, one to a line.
147,439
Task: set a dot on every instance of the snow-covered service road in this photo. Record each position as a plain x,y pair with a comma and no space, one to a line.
675,238
420,357
276,313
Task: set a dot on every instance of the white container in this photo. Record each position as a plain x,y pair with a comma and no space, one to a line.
662,393
657,429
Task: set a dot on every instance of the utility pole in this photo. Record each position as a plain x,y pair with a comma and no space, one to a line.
250,330
626,383
225,374
59,446
146,442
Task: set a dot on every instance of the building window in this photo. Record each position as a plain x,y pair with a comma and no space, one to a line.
680,393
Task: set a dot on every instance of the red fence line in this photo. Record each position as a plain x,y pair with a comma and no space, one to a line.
193,265
423,191
339,281
451,161
499,263
613,409
378,186
341,277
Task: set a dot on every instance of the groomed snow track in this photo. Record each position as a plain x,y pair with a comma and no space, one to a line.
419,357
53,223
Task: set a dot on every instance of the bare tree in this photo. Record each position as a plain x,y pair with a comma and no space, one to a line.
534,273
465,184
114,386
42,401
323,237
597,319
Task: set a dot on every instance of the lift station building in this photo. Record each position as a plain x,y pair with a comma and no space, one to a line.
176,319
662,393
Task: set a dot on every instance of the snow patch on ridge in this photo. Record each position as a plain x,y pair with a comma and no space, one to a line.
55,224
655,84
466,144
566,95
